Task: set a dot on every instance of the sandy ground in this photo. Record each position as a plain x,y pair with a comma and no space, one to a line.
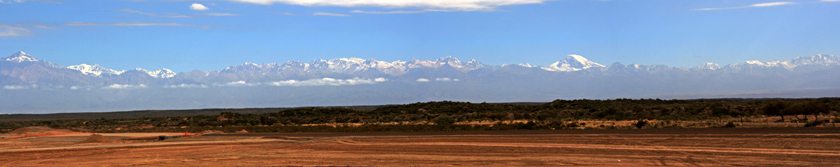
681,147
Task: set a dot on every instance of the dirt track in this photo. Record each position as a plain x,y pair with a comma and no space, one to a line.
680,147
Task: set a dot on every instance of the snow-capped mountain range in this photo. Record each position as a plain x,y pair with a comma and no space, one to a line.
360,68
95,70
31,85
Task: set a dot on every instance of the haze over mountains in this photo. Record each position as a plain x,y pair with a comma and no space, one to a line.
31,85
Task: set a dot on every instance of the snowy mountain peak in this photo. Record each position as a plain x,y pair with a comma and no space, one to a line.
768,64
572,63
354,60
162,73
526,65
449,59
577,58
755,62
452,62
709,66
20,56
251,64
94,70
472,61
414,63
819,59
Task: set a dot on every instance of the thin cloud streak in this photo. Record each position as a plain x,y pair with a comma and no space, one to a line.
759,5
135,24
45,27
154,14
772,4
721,8
10,1
125,24
126,86
470,5
11,31
329,14
221,14
327,82
393,12
15,87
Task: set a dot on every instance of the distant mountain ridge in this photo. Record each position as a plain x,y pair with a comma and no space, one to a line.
31,85
20,68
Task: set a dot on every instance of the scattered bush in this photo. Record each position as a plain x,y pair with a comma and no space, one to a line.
814,123
442,115
444,120
730,124
641,123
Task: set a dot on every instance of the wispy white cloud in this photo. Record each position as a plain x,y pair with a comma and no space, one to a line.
447,80
720,8
137,12
282,13
221,14
392,12
127,24
197,6
41,26
455,5
154,14
329,14
11,1
15,87
829,0
772,4
51,1
422,80
10,31
327,82
237,83
187,86
769,4
126,86
173,15
21,1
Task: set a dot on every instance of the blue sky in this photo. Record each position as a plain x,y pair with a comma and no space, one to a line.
211,35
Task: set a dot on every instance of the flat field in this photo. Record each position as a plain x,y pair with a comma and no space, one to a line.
646,147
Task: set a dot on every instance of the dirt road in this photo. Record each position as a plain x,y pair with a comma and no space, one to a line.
686,147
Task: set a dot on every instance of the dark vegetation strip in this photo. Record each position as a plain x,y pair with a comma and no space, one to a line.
782,132
442,116
149,113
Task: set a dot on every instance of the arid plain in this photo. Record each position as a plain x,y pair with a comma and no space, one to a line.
623,147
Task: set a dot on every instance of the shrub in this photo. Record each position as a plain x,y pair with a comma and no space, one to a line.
730,124
814,123
444,120
641,123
